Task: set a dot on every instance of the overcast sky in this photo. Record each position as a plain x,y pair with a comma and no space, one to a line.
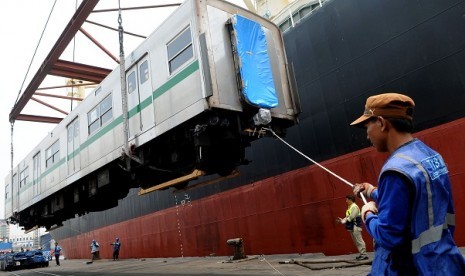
21,25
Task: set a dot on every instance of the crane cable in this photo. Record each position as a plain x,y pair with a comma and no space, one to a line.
35,52
124,99
74,56
12,122
316,163
11,166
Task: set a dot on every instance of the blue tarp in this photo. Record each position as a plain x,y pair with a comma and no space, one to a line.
249,39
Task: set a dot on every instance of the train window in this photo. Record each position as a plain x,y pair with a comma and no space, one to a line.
23,176
93,119
180,50
92,187
106,109
98,90
15,181
132,82
52,154
36,173
70,136
144,72
7,191
101,114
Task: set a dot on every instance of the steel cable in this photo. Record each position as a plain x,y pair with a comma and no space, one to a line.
35,52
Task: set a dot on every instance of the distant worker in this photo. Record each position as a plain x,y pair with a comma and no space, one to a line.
95,250
116,247
57,252
413,219
353,224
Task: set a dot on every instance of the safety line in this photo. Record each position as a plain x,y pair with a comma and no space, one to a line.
262,258
316,163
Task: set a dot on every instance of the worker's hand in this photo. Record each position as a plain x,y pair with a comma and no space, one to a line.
365,188
341,221
370,207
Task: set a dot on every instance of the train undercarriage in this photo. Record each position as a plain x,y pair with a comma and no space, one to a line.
213,143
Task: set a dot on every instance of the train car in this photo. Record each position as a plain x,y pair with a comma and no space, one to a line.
199,90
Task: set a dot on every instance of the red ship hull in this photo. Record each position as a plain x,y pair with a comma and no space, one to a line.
293,212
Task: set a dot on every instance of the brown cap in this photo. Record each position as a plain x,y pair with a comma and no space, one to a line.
388,105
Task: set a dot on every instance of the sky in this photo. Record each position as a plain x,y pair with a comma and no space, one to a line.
22,24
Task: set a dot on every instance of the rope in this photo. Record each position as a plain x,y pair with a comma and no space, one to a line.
316,163
262,258
35,52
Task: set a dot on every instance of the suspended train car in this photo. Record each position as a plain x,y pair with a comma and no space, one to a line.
199,89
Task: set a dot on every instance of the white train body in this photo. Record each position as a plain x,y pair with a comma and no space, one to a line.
184,105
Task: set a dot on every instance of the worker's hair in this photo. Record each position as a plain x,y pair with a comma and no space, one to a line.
402,125
351,197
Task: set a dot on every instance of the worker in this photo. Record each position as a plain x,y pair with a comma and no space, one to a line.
412,217
57,252
353,224
116,248
95,250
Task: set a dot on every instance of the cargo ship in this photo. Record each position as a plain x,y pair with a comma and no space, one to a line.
279,203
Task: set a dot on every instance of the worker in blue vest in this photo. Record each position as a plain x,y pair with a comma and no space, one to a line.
116,248
412,217
57,252
95,250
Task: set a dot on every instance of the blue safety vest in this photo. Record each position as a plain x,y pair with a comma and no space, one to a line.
433,217
116,246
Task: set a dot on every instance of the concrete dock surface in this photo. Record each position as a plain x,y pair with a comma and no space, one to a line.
286,264
283,264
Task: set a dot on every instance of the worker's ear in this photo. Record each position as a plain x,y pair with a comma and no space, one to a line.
384,124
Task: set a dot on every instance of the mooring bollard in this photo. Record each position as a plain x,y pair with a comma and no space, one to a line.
238,248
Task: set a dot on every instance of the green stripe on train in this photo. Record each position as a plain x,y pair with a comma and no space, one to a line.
186,72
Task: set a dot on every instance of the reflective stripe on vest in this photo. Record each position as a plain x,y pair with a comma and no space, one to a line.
428,187
433,233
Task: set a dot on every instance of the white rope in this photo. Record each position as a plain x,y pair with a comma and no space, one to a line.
316,163
262,258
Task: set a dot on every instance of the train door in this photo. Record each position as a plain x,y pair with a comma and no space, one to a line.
15,185
36,189
74,161
8,196
139,98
